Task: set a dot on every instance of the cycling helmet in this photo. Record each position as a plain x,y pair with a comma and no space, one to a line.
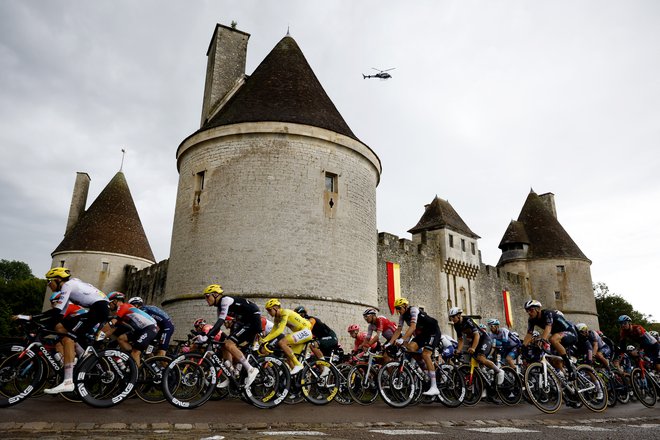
536,334
631,348
401,302
55,296
581,326
653,333
116,296
515,334
493,321
272,303
532,303
369,311
58,272
455,311
213,288
482,325
353,327
136,301
199,322
624,318
300,310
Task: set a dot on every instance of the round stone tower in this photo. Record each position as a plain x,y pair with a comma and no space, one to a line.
558,274
276,195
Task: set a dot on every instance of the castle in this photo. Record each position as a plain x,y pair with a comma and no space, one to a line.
277,198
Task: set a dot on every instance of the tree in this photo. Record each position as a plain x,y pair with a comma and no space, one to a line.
14,270
610,306
20,292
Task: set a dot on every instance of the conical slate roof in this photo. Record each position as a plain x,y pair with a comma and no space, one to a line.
111,224
440,214
282,88
546,236
515,233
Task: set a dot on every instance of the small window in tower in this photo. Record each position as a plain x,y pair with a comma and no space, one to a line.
463,245
62,263
105,266
557,294
451,241
199,186
331,182
561,269
474,248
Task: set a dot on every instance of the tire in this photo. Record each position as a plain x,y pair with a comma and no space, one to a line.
149,386
271,386
591,389
643,388
620,384
511,390
105,379
344,397
396,384
318,389
609,384
545,396
20,377
474,386
363,390
197,381
451,386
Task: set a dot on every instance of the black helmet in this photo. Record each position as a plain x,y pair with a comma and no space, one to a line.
300,310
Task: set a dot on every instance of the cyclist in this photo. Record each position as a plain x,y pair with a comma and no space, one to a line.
556,329
449,346
360,338
301,332
378,326
480,344
73,290
165,325
247,325
591,345
134,328
505,342
636,333
423,331
655,335
326,338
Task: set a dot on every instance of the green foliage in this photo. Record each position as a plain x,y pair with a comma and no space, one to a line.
610,306
20,292
14,270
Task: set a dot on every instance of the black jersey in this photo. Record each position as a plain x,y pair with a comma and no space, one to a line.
551,317
423,322
243,310
467,328
320,329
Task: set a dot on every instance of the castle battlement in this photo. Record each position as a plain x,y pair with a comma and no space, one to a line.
493,272
396,245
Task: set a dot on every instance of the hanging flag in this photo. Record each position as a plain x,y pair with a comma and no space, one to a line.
393,284
508,313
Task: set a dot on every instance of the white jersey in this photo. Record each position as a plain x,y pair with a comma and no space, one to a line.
80,293
447,342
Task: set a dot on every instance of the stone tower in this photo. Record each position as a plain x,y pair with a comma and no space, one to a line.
276,195
558,274
105,242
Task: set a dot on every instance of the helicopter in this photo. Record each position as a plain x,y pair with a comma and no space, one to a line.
382,74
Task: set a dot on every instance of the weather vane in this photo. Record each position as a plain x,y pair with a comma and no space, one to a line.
123,153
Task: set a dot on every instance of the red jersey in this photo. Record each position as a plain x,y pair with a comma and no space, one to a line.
359,339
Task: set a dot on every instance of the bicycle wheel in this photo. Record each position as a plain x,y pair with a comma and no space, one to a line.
591,389
396,384
543,390
451,386
343,397
197,380
319,382
149,386
510,391
271,386
105,379
20,376
474,385
363,386
603,373
620,384
643,388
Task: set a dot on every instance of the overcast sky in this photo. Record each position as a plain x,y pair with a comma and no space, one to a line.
488,99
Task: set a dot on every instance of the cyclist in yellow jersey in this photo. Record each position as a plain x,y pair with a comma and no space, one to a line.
301,332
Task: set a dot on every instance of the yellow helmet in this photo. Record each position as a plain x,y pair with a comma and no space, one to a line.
272,303
58,272
213,288
401,302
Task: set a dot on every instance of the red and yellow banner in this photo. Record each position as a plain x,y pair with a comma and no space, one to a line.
508,313
393,284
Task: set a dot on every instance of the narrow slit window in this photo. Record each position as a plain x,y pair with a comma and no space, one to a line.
462,245
473,248
331,182
557,294
105,266
451,241
199,186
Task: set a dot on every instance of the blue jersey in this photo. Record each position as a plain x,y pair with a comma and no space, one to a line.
157,313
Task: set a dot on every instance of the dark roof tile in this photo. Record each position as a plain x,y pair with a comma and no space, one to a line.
440,214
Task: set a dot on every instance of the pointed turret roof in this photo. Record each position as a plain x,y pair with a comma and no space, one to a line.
111,224
440,214
282,88
542,231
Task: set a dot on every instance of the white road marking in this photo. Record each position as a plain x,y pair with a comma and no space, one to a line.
215,437
402,431
501,430
581,428
646,425
317,433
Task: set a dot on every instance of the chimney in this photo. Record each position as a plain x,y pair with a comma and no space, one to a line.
78,200
225,66
548,200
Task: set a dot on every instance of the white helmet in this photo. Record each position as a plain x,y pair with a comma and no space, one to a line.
455,311
532,303
581,326
136,301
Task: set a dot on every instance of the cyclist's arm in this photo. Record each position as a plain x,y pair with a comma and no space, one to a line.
475,341
546,332
277,330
